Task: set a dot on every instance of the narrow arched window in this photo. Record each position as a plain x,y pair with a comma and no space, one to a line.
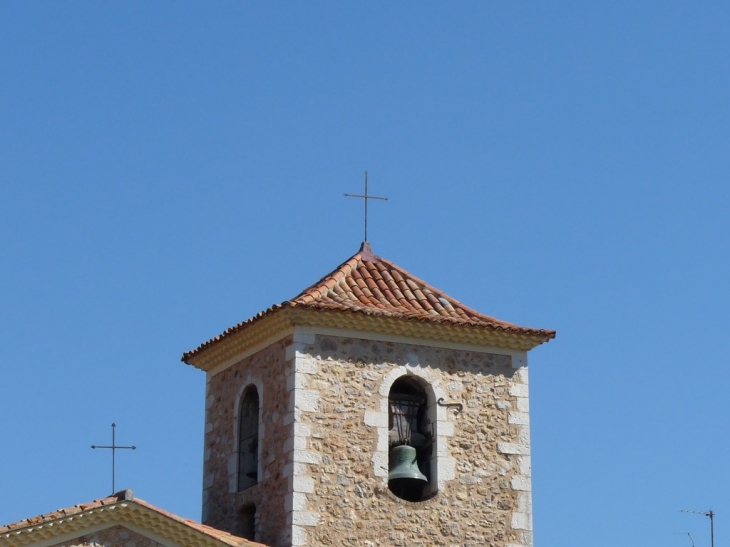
248,439
410,440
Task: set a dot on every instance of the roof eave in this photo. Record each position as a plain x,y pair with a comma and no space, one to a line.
244,336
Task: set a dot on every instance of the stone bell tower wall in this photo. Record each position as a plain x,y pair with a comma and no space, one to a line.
224,507
340,460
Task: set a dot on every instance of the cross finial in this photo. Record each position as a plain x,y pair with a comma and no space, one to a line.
114,447
365,198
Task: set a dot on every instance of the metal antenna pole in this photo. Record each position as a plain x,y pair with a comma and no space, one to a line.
710,514
365,197
114,449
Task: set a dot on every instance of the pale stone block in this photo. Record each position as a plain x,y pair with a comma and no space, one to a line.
300,443
389,378
521,521
307,400
445,429
519,418
511,448
305,366
523,404
208,481
295,502
206,454
382,445
288,418
305,518
522,375
288,445
504,405
232,484
287,469
208,427
524,435
519,390
298,536
442,446
209,400
446,469
292,351
232,463
376,419
291,382
294,468
524,502
303,484
302,430
303,456
380,464
525,465
521,483
299,501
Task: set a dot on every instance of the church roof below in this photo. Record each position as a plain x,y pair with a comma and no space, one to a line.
369,285
121,508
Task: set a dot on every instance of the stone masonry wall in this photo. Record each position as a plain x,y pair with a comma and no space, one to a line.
341,497
223,506
115,535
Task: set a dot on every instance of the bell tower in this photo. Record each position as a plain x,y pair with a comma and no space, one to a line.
371,409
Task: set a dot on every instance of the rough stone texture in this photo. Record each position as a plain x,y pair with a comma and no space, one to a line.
484,501
223,507
116,536
324,447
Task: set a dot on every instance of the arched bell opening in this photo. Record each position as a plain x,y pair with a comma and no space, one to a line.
248,438
411,434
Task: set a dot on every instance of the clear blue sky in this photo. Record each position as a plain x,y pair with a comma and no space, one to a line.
170,169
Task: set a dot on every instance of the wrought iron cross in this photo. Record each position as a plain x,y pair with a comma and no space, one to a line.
114,447
365,198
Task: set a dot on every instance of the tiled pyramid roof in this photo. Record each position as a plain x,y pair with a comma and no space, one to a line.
369,285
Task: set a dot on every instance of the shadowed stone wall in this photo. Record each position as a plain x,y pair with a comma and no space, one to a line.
223,506
324,446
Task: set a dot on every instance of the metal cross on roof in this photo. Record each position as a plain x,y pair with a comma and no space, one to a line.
114,447
365,198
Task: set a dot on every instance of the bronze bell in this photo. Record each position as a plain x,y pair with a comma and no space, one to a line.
403,464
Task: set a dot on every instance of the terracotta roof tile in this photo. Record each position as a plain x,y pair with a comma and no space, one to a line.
126,496
369,284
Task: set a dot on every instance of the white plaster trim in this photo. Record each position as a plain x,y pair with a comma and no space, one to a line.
301,401
250,351
521,482
520,355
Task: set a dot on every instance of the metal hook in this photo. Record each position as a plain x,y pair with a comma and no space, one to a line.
458,406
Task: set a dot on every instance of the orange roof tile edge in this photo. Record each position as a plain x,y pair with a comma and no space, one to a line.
124,496
381,297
